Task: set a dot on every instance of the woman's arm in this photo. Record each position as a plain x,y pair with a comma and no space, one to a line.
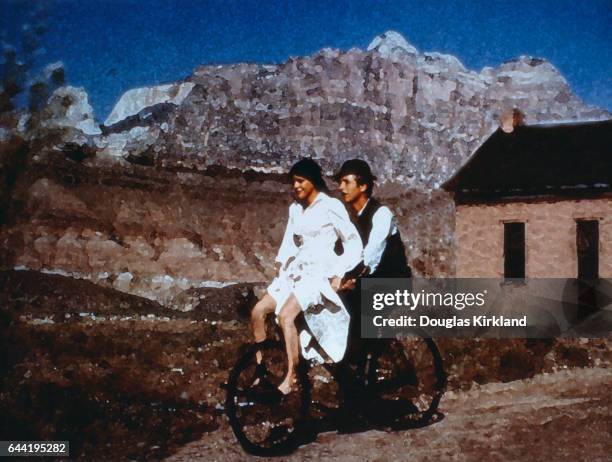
288,248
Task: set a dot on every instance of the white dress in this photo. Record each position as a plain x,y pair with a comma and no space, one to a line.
308,262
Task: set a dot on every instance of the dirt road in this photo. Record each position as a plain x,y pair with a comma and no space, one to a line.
566,415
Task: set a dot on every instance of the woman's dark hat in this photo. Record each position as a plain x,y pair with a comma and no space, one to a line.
355,167
310,170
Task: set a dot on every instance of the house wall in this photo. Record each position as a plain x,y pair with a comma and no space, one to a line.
550,236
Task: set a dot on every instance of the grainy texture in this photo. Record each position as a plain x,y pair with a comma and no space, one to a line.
189,193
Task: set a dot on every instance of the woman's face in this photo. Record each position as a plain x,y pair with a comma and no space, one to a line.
303,189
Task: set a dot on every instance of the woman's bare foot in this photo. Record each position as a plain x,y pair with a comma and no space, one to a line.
287,385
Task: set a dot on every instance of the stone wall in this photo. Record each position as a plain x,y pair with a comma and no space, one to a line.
148,234
550,237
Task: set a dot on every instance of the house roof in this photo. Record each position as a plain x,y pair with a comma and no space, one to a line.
568,159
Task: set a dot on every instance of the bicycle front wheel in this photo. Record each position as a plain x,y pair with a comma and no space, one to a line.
265,422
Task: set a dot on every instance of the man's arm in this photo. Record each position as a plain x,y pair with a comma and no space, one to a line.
351,242
383,225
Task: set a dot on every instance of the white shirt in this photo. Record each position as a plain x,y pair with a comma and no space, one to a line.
317,227
308,262
383,226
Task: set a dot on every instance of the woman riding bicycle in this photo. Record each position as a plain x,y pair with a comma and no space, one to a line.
310,273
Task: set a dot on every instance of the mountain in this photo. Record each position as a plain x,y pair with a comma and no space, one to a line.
414,116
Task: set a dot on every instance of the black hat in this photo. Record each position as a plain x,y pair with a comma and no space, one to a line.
310,170
356,167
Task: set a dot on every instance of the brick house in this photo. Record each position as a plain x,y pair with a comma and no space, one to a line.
536,201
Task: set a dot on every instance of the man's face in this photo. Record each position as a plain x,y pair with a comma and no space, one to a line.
302,188
350,189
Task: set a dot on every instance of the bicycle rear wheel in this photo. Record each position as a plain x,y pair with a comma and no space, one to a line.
264,421
405,382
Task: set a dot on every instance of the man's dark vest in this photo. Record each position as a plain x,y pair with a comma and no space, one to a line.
393,261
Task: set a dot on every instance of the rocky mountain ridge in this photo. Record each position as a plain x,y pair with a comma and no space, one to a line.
414,116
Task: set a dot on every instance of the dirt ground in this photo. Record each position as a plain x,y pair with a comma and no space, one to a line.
562,416
125,378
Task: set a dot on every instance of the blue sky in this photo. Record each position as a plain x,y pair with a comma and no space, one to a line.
110,46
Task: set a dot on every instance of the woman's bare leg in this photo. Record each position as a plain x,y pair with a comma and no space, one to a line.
263,308
286,319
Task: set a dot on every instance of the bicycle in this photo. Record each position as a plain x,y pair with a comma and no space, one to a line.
405,377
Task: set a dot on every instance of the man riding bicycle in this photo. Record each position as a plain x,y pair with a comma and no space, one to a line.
383,256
